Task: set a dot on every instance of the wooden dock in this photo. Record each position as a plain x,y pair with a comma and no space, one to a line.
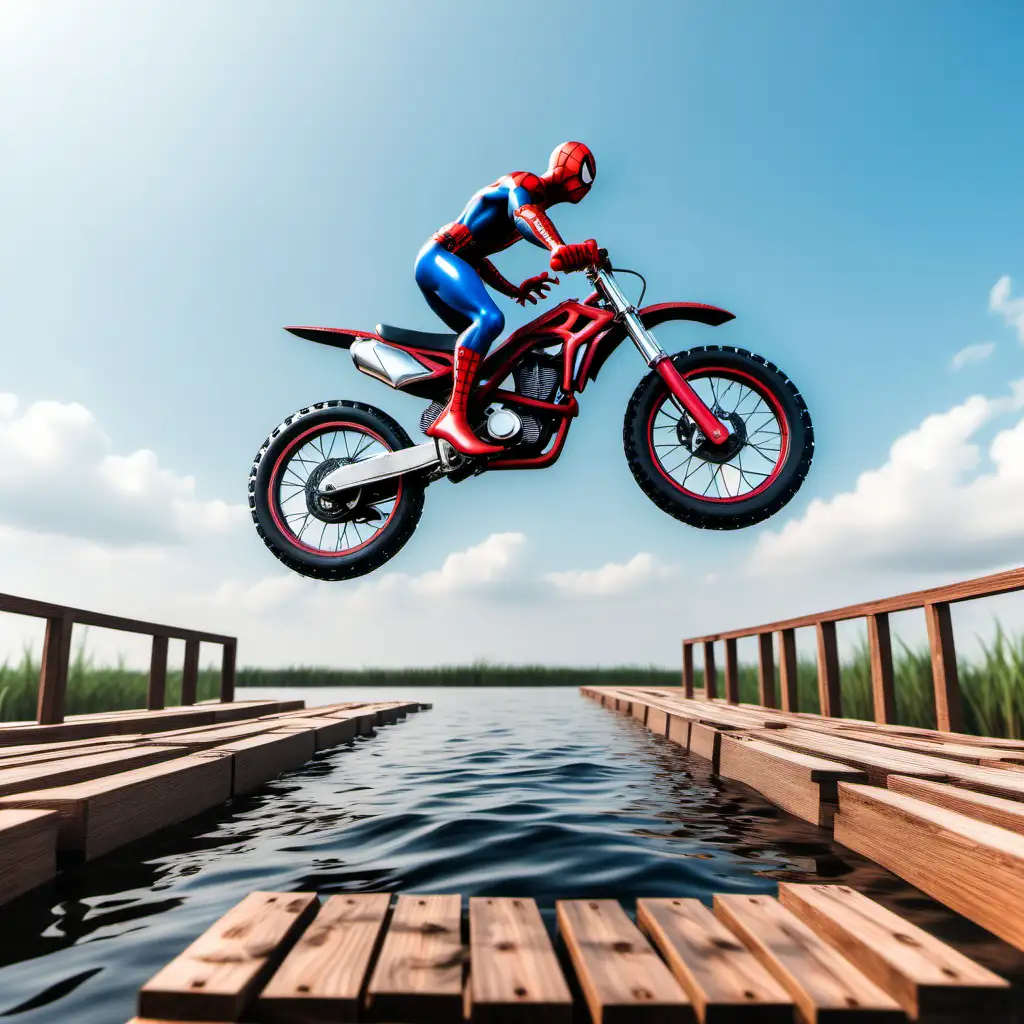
818,953
82,797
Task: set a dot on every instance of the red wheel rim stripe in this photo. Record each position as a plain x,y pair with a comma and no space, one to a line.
758,388
272,486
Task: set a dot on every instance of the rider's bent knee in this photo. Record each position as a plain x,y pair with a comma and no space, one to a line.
491,323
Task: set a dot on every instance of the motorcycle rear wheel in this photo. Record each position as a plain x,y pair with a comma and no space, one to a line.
321,540
708,486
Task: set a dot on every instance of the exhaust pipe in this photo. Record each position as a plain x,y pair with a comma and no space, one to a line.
380,467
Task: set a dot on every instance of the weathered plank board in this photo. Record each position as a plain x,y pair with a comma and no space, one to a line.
100,815
515,973
66,750
418,975
824,986
679,731
925,976
259,759
994,810
975,868
622,978
720,975
70,770
28,850
327,732
706,742
322,978
800,783
219,973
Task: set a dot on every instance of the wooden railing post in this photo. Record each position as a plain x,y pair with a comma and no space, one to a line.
829,693
190,672
227,672
156,694
53,675
732,672
765,670
883,694
688,671
949,714
788,670
710,676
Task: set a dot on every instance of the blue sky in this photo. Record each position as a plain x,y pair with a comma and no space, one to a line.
845,177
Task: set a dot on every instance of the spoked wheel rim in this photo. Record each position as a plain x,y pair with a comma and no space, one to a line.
329,530
747,464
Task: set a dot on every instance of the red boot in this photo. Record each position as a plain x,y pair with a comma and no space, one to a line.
451,425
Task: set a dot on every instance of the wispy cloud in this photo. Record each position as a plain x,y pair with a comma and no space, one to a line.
972,354
1012,310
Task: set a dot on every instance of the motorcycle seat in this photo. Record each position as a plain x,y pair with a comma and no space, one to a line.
417,339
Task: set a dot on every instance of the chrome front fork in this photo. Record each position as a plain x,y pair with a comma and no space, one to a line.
645,342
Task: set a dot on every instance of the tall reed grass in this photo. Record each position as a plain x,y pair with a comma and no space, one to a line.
993,686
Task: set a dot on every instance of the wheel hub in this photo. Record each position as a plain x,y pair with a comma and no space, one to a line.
691,437
340,508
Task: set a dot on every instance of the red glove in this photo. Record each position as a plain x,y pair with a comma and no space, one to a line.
539,284
574,257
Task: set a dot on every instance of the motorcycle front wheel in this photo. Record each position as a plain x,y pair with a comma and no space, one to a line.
736,484
346,537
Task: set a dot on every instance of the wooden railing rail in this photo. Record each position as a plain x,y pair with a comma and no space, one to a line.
60,620
935,602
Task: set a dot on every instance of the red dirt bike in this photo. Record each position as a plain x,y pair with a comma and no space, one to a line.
717,437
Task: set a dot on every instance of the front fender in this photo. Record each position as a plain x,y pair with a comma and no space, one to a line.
651,316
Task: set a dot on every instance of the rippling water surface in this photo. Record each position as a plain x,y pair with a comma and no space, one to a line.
528,792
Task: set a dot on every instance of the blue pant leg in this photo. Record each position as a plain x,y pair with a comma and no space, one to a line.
451,286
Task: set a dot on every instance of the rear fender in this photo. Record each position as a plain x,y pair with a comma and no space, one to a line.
336,337
651,316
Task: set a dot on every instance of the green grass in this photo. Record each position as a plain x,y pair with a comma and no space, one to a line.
993,686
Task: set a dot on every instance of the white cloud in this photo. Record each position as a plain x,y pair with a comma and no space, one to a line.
60,475
1012,310
935,505
972,354
612,578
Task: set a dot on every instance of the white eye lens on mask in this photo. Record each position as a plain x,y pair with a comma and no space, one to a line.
585,176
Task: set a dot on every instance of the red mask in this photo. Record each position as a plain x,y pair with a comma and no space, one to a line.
571,172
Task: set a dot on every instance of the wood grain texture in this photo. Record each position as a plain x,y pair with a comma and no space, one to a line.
723,979
419,974
259,759
622,978
706,742
830,698
327,732
765,670
966,752
949,713
515,973
974,868
925,976
53,674
994,810
323,976
218,975
825,987
883,693
802,784
679,731
788,670
28,850
103,814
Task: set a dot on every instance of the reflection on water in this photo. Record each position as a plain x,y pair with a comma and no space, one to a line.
529,792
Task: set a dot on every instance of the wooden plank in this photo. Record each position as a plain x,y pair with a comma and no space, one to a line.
706,742
515,976
825,987
799,783
28,850
688,669
765,670
974,868
788,670
679,730
103,814
66,751
322,978
327,732
925,976
227,671
53,674
949,713
190,672
639,711
657,721
732,673
418,975
710,675
994,810
719,974
259,759
80,769
219,973
156,691
622,978
830,697
968,753
883,693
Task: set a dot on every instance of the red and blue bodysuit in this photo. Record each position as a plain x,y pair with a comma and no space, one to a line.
453,268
